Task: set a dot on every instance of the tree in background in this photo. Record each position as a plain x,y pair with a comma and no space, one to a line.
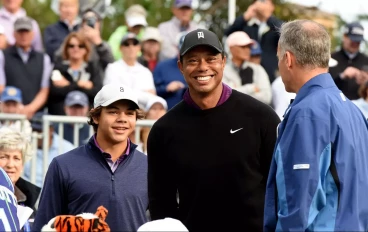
213,14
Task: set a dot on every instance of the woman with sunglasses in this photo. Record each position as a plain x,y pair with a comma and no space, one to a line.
75,72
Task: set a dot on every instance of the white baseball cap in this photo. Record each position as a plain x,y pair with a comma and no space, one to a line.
152,33
167,224
153,100
113,92
135,20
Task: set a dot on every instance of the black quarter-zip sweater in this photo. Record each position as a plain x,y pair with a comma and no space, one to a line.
217,159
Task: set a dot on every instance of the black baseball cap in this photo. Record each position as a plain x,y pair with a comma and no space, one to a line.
200,37
355,31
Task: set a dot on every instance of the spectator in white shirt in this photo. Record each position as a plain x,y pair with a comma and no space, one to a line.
127,71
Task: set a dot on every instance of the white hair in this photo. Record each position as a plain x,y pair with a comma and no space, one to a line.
13,140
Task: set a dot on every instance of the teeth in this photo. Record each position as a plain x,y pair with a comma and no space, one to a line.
206,78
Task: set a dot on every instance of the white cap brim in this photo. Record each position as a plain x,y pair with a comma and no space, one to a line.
112,100
136,20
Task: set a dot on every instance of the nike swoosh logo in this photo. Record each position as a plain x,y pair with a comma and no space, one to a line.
234,131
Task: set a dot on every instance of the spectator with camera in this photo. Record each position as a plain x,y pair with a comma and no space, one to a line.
348,74
74,73
259,23
90,28
55,34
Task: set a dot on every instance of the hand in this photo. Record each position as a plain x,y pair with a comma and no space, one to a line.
28,110
61,83
174,86
351,72
362,78
85,84
264,9
92,34
250,12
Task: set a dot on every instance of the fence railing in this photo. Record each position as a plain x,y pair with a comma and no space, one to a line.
60,121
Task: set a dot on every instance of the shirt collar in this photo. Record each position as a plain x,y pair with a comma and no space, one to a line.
254,21
6,14
351,55
98,146
323,80
177,23
22,52
226,92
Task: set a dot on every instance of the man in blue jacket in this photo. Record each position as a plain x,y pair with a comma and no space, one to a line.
318,179
107,171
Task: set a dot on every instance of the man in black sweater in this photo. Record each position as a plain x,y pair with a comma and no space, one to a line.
214,148
349,73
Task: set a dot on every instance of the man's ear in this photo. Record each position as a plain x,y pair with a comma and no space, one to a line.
289,59
224,61
180,66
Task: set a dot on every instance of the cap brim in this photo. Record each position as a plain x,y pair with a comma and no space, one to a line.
137,22
196,45
25,28
109,102
5,99
184,5
356,38
73,103
124,40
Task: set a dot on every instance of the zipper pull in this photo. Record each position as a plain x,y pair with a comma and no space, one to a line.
112,177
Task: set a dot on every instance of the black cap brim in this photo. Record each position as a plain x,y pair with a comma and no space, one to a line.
196,45
356,38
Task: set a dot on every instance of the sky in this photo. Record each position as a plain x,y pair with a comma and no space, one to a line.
347,9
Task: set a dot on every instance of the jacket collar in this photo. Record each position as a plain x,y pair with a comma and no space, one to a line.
92,145
323,80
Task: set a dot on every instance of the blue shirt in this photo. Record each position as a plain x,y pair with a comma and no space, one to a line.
53,152
164,73
318,179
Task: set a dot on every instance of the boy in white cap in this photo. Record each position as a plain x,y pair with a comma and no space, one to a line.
107,171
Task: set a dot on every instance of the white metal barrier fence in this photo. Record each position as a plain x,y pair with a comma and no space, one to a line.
60,120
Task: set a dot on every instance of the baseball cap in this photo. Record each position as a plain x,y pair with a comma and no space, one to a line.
355,31
37,120
129,36
167,224
111,93
153,100
152,33
11,93
23,23
200,37
255,50
239,38
182,3
135,20
76,98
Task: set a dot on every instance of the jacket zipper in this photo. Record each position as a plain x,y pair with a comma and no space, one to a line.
113,184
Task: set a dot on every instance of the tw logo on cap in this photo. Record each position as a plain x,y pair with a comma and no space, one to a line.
200,34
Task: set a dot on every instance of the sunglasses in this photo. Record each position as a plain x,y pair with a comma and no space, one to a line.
74,45
129,43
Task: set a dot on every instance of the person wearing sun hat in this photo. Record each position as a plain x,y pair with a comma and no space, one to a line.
242,75
107,171
135,22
